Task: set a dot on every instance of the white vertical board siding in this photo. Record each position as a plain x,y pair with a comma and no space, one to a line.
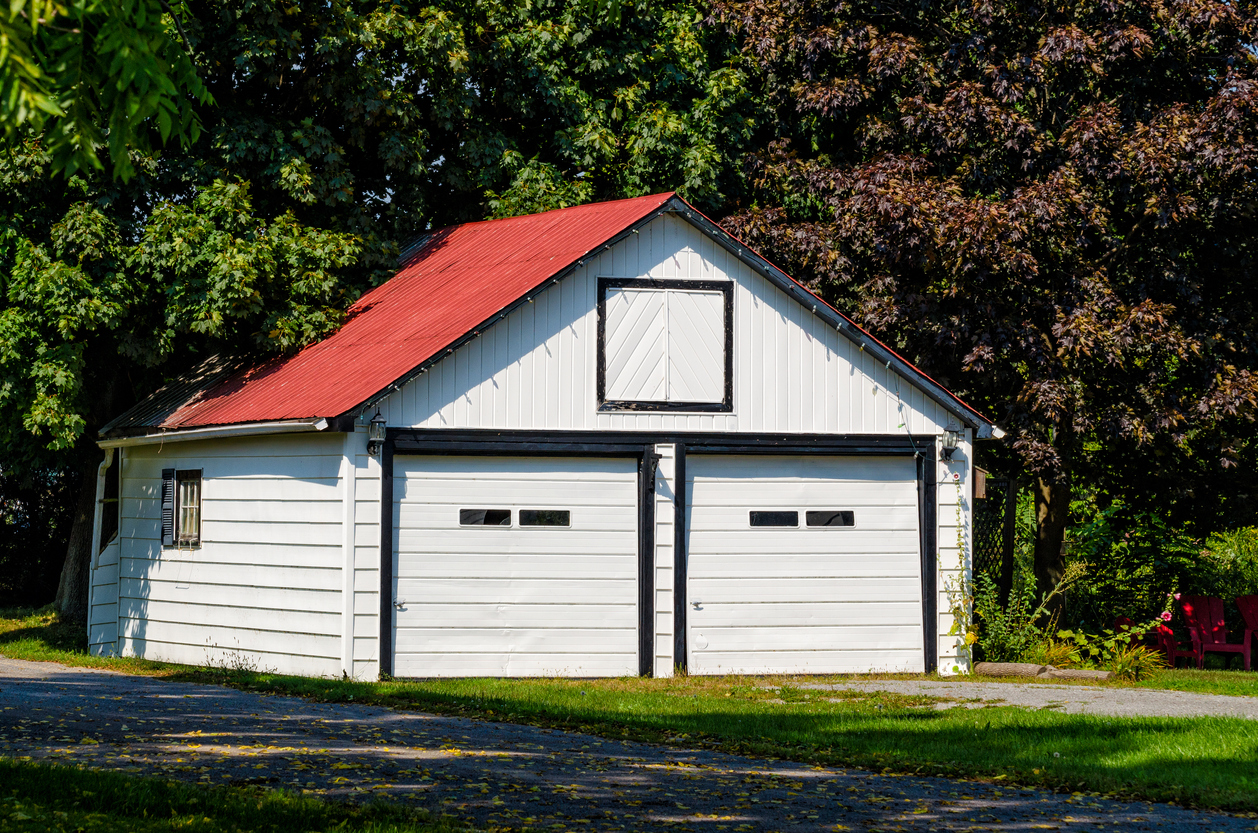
264,588
955,513
515,600
665,524
535,369
796,600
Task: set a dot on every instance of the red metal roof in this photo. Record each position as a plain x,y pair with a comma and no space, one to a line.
458,278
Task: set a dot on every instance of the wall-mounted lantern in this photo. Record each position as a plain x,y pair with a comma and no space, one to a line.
951,436
375,434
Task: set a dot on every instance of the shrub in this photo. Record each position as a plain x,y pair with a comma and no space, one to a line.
1134,662
1009,633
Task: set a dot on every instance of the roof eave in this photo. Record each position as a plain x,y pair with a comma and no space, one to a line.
150,436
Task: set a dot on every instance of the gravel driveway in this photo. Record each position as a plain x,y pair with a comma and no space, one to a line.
502,775
1069,699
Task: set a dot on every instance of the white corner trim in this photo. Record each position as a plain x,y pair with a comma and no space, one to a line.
349,496
290,426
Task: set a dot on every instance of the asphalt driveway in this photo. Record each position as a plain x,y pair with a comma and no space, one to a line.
502,775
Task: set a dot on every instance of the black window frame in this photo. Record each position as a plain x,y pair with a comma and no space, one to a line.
193,540
752,513
539,512
726,405
849,513
486,510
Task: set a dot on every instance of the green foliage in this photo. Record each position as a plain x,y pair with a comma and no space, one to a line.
1138,556
1132,663
1006,633
535,187
1233,555
1112,647
336,131
1010,632
93,300
93,74
233,277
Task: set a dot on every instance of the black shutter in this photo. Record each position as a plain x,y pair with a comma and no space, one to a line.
168,507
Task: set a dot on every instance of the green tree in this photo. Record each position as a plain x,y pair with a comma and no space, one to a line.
94,74
1050,208
337,132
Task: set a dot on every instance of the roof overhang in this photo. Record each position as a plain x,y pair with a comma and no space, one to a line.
216,432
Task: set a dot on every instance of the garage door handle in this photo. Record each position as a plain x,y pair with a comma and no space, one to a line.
400,603
696,604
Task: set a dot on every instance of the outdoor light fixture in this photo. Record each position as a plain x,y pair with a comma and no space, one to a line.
951,435
375,434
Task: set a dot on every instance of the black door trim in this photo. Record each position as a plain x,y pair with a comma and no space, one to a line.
629,443
927,528
648,465
680,548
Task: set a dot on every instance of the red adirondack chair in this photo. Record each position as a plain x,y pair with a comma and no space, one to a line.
1249,611
1204,615
1166,642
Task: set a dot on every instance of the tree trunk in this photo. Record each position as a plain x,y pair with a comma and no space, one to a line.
1052,510
72,589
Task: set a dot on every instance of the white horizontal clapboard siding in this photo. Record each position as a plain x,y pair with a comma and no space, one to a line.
102,626
264,587
790,600
512,600
535,369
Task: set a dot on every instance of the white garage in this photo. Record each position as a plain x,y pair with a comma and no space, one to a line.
603,440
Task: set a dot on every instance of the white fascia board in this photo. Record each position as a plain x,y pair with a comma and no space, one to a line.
292,426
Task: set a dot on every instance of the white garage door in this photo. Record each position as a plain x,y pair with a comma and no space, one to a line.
509,566
803,565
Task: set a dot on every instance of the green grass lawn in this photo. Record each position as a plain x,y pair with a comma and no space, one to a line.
52,799
1202,761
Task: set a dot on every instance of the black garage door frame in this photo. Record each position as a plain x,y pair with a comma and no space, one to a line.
641,446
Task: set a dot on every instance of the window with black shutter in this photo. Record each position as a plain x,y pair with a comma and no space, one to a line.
181,507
